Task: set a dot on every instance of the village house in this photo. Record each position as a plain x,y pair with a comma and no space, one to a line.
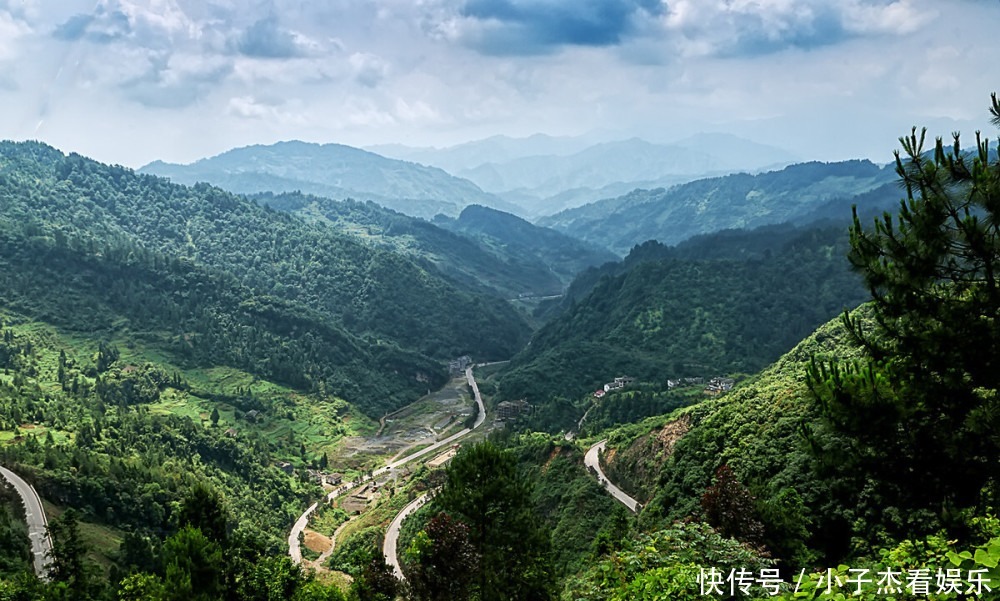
718,385
456,367
619,383
512,409
325,478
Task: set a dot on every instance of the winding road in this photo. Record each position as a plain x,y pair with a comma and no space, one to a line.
392,534
294,547
41,544
593,460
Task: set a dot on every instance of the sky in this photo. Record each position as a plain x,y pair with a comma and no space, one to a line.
131,81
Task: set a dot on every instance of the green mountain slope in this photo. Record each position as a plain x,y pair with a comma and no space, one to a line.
327,288
672,315
757,431
500,263
507,234
707,205
333,171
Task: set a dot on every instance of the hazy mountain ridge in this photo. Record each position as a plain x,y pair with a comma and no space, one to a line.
508,234
733,201
335,171
544,174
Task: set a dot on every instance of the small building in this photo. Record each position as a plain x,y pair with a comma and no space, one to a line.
619,383
231,432
599,393
443,458
512,409
252,415
456,367
718,385
286,467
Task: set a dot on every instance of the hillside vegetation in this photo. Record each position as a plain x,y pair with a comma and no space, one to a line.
707,205
505,234
668,316
282,295
511,256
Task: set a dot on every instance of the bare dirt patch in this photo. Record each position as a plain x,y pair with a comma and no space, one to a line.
315,541
420,423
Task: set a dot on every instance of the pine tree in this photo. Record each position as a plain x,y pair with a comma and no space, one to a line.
918,416
68,566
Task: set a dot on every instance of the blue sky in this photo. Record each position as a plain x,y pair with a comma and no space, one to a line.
130,81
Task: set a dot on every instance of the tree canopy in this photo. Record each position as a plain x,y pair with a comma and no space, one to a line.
922,405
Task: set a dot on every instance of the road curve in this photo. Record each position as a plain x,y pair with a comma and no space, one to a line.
295,550
392,534
592,460
41,544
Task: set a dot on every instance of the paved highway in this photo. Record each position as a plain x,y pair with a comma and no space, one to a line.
295,551
592,460
392,534
41,544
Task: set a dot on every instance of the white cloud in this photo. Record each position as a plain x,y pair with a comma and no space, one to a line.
756,27
13,27
136,80
369,69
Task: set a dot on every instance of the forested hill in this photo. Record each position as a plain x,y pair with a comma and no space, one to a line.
668,314
734,201
266,278
333,171
505,261
504,233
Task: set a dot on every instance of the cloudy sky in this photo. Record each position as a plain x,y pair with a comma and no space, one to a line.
130,81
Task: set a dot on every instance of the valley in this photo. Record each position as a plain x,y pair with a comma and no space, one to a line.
245,391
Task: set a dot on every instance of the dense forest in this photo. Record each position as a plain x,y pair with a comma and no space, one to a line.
332,292
513,257
739,200
664,314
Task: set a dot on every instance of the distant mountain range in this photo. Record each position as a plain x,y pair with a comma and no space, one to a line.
544,175
334,171
530,177
801,193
